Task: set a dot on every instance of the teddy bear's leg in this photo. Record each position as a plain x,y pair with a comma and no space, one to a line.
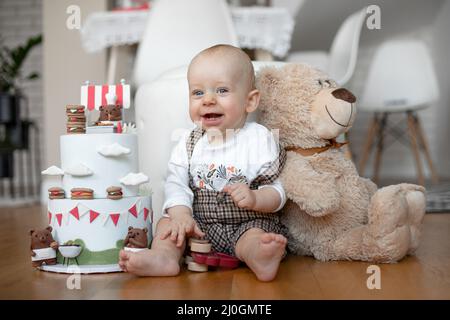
395,214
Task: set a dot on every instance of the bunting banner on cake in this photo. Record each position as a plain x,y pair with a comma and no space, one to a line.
74,212
115,218
146,211
59,218
133,211
80,210
93,215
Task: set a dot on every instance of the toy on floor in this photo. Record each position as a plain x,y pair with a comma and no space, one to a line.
201,257
43,247
332,213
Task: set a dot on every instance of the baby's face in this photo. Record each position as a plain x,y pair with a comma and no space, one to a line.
218,93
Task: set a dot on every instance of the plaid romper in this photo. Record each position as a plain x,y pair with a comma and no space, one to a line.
218,216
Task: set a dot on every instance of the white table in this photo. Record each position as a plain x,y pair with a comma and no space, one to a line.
266,29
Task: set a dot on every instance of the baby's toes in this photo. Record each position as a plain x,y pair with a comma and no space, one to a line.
281,239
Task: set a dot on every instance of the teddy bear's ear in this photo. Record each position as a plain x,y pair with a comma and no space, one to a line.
49,229
145,230
129,228
267,76
31,232
101,108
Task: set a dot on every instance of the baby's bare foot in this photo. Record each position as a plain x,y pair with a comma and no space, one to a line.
154,262
267,256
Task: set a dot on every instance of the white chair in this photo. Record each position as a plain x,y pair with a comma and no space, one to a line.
340,62
176,31
401,79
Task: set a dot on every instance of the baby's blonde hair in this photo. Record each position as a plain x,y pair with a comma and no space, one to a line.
233,52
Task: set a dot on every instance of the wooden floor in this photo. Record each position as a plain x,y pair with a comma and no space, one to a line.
424,276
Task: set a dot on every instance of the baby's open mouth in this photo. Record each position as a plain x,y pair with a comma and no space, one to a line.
212,115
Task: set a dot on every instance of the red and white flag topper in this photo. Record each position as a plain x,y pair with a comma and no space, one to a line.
93,96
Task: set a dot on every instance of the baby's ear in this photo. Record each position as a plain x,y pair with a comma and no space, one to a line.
252,100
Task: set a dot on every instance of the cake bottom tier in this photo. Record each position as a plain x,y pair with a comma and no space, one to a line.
98,226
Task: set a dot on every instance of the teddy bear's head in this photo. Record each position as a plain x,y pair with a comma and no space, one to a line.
139,237
41,238
304,104
110,112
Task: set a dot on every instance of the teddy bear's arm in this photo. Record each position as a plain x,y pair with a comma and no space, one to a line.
54,245
137,244
315,193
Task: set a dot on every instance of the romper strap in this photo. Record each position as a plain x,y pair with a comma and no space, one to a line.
192,140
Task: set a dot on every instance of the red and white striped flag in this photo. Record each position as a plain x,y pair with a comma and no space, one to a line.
93,96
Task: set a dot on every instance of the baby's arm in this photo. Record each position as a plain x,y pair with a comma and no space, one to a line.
266,199
178,197
182,224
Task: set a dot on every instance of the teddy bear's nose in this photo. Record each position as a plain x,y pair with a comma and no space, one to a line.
344,94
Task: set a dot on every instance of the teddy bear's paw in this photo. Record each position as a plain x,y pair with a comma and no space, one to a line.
416,212
388,210
416,207
390,248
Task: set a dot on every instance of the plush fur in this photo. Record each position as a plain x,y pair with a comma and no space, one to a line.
332,213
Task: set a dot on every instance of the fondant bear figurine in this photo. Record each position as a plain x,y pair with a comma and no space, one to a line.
43,247
110,112
136,238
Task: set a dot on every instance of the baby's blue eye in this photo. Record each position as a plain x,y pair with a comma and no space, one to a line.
222,90
197,93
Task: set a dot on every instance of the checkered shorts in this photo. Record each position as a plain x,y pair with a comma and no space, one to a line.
218,216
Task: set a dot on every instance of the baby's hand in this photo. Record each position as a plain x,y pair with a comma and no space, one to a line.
242,196
181,224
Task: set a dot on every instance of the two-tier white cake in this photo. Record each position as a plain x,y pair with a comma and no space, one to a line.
99,225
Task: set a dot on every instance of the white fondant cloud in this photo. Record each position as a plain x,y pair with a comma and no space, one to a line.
113,150
53,171
79,170
134,179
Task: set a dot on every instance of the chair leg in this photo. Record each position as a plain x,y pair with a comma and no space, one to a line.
424,145
368,145
378,155
413,138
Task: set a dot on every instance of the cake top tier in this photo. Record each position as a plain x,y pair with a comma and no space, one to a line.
101,109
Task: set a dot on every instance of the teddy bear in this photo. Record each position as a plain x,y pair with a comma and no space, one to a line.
332,213
136,238
43,247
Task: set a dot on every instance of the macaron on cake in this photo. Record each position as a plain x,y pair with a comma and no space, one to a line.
56,193
114,193
81,193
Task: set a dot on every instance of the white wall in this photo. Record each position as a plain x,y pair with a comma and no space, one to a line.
66,67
